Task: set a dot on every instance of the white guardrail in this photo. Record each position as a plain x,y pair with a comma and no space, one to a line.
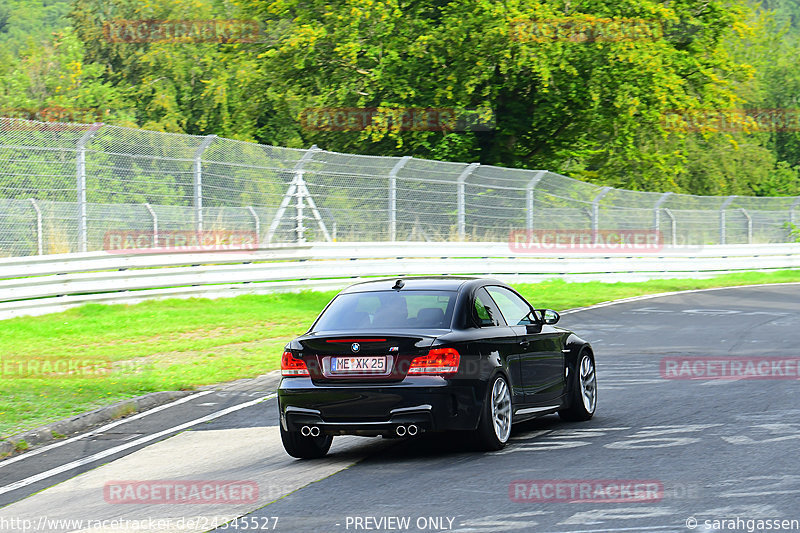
44,284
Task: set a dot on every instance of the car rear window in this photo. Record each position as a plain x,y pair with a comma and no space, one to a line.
388,310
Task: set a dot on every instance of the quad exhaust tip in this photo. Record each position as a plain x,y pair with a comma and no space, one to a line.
409,430
309,431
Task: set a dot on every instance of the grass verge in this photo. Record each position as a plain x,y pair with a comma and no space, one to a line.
181,344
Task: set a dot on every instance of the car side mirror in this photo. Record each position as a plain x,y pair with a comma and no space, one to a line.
550,317
533,328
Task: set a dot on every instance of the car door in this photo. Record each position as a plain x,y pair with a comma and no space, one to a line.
541,360
497,337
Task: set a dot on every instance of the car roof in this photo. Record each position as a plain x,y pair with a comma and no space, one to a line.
416,283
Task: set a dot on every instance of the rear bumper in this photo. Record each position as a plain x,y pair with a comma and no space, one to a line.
429,402
420,417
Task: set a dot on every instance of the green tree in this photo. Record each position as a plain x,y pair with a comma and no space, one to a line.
5,13
565,92
770,98
177,85
55,75
591,108
26,22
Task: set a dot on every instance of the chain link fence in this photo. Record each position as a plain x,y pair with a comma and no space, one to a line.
65,186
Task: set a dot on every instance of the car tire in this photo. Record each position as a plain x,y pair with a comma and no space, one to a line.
302,447
582,390
494,428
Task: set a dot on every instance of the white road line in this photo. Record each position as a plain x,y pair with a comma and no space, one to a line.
662,294
103,428
122,447
718,381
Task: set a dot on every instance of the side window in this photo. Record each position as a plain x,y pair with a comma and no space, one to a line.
485,310
514,309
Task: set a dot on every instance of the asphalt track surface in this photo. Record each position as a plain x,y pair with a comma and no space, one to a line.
678,452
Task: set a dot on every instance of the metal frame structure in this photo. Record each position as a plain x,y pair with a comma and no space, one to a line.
70,183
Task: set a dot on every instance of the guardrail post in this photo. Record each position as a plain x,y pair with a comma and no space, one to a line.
39,237
461,199
198,181
749,225
657,210
155,224
529,197
83,230
257,222
596,213
725,204
393,196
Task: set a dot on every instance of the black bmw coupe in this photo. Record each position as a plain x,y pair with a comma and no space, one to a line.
405,356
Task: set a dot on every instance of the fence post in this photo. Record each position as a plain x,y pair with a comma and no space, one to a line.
155,224
393,196
257,221
197,171
657,210
39,238
299,228
596,213
83,230
749,225
791,210
529,196
725,204
673,225
461,200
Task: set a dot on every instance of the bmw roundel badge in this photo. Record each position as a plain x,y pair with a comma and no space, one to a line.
355,347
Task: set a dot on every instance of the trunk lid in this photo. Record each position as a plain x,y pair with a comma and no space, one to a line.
373,357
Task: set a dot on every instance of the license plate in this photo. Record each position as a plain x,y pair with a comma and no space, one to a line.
360,364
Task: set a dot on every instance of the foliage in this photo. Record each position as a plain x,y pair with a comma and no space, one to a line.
55,75
592,108
25,23
794,231
589,107
175,85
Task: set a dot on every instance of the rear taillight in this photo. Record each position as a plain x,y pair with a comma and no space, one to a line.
438,361
292,366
